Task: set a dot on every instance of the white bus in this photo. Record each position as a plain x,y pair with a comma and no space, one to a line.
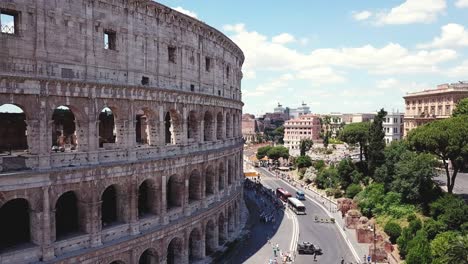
296,205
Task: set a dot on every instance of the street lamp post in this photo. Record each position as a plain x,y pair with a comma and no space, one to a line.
373,254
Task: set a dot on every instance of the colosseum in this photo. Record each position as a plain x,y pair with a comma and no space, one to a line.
120,137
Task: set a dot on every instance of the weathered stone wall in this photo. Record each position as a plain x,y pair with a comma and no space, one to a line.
155,79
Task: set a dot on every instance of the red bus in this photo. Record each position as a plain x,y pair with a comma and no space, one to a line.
282,194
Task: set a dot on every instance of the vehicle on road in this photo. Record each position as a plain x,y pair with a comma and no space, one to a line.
297,206
308,248
283,194
300,195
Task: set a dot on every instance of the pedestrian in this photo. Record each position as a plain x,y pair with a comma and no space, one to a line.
274,251
369,259
365,258
342,260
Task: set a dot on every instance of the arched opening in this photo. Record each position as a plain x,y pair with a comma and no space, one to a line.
195,246
210,238
230,172
209,181
230,221
228,126
63,132
175,191
117,262
150,256
13,133
109,214
221,230
14,224
195,186
175,251
146,199
192,126
107,132
219,126
168,129
142,128
66,216
208,127
221,176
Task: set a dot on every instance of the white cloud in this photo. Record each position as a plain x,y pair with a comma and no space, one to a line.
283,38
404,87
460,71
452,35
363,15
187,12
412,11
461,3
387,83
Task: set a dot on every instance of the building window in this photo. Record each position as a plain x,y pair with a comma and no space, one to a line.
395,130
9,22
207,64
219,92
171,52
447,110
192,87
144,80
227,72
110,39
395,120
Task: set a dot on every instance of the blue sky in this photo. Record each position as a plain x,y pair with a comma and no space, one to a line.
340,56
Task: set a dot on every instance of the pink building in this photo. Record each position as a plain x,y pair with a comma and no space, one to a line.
304,127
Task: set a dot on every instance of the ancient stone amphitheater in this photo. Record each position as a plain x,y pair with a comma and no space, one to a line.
120,134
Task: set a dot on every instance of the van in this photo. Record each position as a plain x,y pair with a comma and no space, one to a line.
300,195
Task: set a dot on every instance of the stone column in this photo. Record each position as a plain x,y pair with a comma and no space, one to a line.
153,127
202,131
33,136
48,232
37,234
132,209
93,142
185,199
165,218
93,221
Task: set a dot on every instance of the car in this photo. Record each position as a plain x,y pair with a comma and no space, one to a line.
308,248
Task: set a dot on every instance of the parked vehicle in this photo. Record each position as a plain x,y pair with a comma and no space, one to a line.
308,248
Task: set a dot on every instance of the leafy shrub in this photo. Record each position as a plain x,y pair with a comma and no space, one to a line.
433,227
419,249
393,230
353,190
337,193
450,210
303,162
369,198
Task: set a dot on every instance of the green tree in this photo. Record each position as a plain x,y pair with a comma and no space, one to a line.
369,198
458,250
393,154
357,133
278,152
376,142
448,140
262,152
318,164
303,162
353,190
413,177
327,178
419,249
449,247
279,134
345,170
462,108
326,139
433,227
305,145
450,210
393,230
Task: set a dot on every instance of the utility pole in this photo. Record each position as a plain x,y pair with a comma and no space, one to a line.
373,254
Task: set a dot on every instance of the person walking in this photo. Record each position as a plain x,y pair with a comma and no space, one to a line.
342,260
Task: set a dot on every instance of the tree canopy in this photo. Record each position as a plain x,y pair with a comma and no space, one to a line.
357,133
462,108
278,152
262,152
303,162
448,140
376,142
305,145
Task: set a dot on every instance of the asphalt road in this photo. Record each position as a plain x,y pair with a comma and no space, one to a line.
326,235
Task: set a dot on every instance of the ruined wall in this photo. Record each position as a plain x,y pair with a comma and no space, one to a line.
173,117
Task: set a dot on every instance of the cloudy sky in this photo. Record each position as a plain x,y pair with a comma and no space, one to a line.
340,56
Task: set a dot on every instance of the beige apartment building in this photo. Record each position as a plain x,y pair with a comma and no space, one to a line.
303,127
428,105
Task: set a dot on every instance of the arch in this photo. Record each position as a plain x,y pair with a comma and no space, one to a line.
209,180
66,215
210,238
175,251
221,230
64,128
117,262
208,126
14,224
173,127
230,221
147,200
168,129
195,246
107,131
149,256
228,126
230,172
13,135
221,172
195,186
219,126
192,126
109,207
175,191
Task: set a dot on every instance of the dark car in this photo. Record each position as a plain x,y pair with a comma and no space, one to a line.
308,248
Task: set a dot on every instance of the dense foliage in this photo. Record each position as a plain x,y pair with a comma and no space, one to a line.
462,108
303,162
357,133
376,142
393,230
305,145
